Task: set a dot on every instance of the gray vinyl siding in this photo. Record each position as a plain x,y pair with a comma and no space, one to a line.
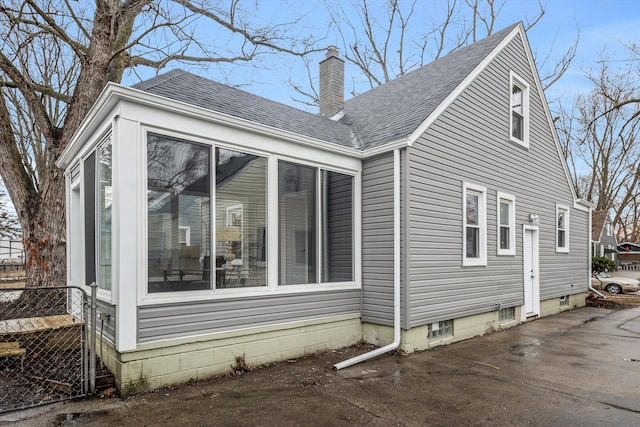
107,326
470,143
166,321
377,240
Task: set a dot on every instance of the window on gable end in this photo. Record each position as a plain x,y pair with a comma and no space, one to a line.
506,205
474,244
562,228
519,111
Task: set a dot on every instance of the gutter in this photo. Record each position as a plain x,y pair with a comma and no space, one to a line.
396,274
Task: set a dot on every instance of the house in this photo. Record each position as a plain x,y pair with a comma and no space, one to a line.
629,255
603,240
431,209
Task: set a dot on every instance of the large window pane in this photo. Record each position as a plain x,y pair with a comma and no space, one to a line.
178,196
90,218
297,228
504,225
337,226
104,237
241,218
517,112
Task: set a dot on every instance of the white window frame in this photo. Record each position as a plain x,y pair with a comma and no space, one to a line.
187,235
511,201
567,222
481,191
517,81
322,160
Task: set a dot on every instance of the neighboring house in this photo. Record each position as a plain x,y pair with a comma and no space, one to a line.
629,253
433,208
11,251
603,239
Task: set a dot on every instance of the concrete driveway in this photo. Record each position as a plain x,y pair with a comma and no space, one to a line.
581,367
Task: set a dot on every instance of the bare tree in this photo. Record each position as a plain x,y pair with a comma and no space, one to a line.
9,226
600,138
384,46
56,57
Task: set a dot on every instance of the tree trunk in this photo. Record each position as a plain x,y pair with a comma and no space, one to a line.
44,234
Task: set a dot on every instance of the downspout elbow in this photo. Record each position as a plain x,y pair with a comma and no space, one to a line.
591,288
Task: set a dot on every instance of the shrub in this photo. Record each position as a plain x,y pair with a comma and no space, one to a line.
600,263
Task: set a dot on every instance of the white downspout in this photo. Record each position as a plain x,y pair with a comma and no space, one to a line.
591,255
396,274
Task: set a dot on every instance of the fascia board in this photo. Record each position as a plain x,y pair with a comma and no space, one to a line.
94,118
583,205
466,82
401,143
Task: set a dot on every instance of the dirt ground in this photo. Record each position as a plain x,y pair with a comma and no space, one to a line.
613,301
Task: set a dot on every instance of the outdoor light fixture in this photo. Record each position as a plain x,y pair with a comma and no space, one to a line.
534,219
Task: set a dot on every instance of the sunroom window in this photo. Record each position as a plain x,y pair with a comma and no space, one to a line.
241,217
178,195
315,230
104,217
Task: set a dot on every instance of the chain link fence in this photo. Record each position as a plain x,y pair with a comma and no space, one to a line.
43,346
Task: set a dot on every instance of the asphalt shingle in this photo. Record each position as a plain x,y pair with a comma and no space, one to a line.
381,115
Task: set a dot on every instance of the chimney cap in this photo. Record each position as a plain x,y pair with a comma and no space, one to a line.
332,51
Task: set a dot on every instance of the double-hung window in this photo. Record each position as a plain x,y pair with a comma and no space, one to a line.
506,205
519,111
474,244
562,228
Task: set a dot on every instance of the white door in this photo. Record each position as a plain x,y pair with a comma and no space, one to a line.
531,272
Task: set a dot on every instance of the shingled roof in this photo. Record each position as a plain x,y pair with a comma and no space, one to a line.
379,116
182,86
395,109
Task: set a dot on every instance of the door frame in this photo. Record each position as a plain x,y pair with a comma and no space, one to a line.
532,259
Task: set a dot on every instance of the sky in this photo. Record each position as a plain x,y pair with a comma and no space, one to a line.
602,24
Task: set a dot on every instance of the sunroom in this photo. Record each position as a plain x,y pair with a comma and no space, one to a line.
195,224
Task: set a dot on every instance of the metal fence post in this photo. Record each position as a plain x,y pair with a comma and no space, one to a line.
92,356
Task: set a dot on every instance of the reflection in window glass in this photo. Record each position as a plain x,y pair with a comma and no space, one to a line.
297,223
104,244
561,229
178,195
517,112
241,217
473,226
505,225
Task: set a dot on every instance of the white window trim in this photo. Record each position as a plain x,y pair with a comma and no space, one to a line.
187,234
512,223
515,79
482,223
567,228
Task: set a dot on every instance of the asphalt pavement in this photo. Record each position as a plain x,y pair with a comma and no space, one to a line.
577,368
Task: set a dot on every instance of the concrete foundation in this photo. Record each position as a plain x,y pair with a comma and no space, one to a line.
417,339
158,364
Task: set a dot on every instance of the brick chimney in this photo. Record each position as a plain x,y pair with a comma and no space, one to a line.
331,83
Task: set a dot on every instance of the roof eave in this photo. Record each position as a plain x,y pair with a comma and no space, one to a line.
114,93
